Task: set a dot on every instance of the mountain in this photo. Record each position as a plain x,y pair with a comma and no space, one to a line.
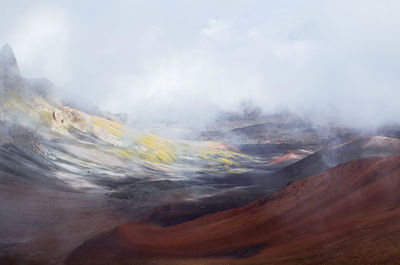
70,173
349,214
67,174
32,104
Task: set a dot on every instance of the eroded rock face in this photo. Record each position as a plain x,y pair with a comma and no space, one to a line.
73,120
71,117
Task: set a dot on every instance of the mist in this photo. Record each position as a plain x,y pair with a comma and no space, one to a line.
186,60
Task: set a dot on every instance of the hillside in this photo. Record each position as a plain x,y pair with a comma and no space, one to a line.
71,173
351,149
64,170
299,164
331,218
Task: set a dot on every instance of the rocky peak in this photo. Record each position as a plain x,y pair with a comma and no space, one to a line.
8,63
9,73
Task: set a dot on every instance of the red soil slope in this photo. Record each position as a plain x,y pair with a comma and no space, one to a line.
349,214
289,158
353,149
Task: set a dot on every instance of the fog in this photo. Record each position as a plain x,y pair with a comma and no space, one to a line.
185,60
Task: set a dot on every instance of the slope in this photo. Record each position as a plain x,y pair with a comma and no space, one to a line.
348,214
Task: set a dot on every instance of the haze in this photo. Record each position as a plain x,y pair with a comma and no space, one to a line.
185,60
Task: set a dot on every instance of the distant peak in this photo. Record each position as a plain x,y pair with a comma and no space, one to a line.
6,52
8,63
6,48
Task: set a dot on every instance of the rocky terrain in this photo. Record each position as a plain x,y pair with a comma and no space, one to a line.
79,185
67,174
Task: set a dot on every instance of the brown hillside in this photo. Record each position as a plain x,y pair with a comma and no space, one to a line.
346,215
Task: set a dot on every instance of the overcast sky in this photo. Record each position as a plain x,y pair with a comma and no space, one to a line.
186,59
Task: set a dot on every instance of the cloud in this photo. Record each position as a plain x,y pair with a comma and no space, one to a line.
40,40
215,27
186,59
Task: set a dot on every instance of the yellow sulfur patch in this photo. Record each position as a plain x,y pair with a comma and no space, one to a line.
156,149
125,153
112,127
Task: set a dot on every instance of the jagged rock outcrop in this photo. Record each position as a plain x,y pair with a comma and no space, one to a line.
68,117
8,62
10,77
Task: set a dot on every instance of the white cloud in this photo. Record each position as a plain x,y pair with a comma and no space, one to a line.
215,27
192,57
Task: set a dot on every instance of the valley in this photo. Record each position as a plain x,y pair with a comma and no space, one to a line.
86,187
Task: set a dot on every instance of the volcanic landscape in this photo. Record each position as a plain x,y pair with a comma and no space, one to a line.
79,185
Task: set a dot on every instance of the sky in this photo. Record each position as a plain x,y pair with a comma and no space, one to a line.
186,60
